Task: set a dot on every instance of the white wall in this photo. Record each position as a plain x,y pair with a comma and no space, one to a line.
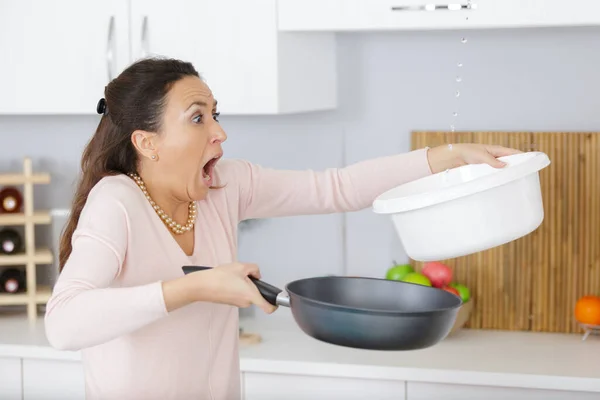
390,84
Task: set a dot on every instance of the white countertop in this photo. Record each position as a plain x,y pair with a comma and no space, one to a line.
471,357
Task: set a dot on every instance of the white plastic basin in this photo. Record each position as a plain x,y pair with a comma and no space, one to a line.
467,209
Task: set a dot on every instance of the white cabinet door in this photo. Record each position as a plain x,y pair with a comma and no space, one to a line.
57,56
373,15
266,386
428,391
10,379
235,46
535,13
53,380
366,15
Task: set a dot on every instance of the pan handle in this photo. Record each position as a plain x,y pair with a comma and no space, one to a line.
272,294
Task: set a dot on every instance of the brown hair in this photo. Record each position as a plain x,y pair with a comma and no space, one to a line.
134,100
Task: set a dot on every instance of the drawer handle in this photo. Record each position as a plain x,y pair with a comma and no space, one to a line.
436,7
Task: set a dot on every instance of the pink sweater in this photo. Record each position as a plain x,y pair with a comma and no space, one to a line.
108,300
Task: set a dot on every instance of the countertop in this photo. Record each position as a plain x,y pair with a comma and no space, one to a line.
471,357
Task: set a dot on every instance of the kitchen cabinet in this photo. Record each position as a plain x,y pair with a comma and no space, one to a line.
57,56
10,379
375,15
428,391
53,379
235,46
269,386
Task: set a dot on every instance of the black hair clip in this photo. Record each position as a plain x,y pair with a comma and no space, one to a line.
101,107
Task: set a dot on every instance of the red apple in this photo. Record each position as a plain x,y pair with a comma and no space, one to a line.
439,274
451,290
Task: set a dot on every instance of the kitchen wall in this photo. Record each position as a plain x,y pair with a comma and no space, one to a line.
389,84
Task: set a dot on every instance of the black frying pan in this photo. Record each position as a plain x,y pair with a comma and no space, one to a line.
365,313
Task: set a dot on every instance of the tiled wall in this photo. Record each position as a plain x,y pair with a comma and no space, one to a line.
390,84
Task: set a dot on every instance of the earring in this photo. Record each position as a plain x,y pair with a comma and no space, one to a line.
154,156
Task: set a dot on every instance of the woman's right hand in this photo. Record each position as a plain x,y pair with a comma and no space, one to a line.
226,284
231,285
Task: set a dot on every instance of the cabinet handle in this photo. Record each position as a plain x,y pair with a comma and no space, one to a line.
436,7
145,46
109,48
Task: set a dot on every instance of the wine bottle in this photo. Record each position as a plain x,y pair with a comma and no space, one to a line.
11,200
10,241
12,280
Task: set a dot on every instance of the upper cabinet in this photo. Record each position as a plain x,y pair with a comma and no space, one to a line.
235,46
375,15
258,56
58,55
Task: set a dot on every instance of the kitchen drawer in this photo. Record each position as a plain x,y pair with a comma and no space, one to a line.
10,379
267,386
53,380
428,391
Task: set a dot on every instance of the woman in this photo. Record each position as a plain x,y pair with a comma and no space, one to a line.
155,195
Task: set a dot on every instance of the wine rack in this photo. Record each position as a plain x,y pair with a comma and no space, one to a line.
32,255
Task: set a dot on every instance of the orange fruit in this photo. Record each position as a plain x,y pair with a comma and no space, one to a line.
587,310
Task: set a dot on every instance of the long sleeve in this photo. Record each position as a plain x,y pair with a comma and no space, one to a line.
268,192
84,310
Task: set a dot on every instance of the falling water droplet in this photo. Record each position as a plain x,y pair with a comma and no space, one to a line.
458,79
452,128
463,40
455,114
457,93
459,65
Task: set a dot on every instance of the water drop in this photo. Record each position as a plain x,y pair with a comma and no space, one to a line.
463,40
458,79
459,65
457,93
452,128
455,114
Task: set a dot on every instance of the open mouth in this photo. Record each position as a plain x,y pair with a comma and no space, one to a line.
207,170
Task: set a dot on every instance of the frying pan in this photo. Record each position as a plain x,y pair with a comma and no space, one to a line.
365,313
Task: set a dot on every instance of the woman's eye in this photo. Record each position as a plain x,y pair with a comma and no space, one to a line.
197,119
216,116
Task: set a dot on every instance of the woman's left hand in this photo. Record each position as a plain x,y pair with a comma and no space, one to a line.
446,157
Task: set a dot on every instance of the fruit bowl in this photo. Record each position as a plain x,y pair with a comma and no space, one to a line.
468,209
440,276
464,313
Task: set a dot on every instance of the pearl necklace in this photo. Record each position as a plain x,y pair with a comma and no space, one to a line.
171,224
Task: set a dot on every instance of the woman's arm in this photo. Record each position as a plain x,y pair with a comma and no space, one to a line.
85,311
267,192
271,193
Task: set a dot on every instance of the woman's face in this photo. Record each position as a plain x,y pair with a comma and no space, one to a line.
189,143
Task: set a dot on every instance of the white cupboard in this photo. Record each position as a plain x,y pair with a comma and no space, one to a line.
374,15
10,379
58,55
268,386
428,391
53,380
234,44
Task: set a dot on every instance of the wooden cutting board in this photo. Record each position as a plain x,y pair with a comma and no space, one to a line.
247,338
